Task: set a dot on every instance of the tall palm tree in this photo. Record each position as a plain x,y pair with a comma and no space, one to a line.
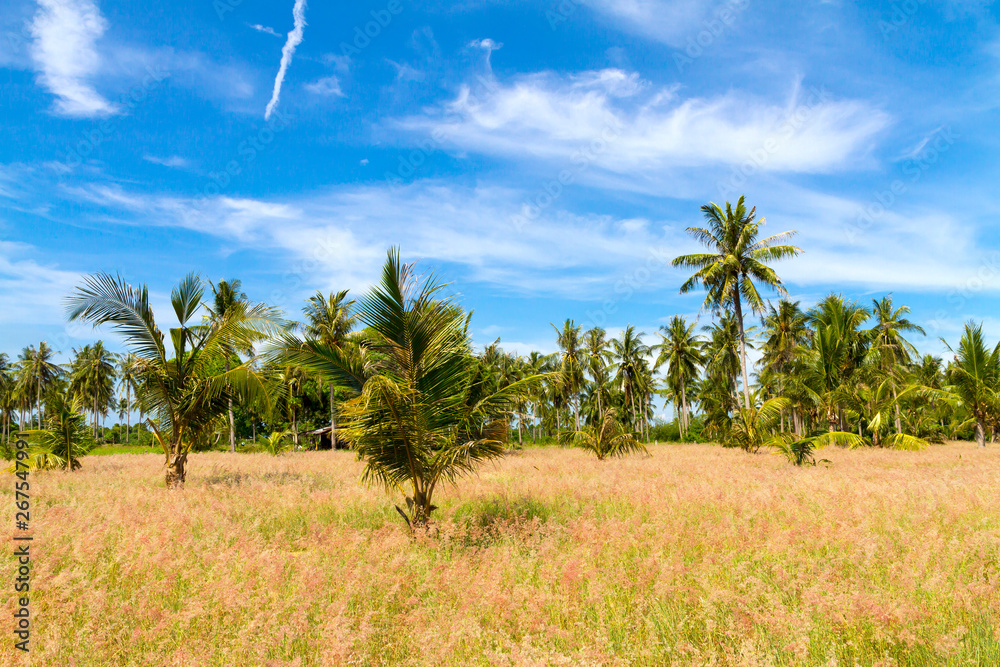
186,387
424,416
739,259
630,354
786,333
681,351
330,322
93,374
7,402
598,355
128,376
573,363
890,352
39,373
226,296
976,378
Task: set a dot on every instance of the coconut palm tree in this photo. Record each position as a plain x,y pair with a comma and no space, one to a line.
330,321
608,438
976,378
65,439
598,355
738,261
422,418
681,351
573,363
92,379
7,402
227,296
128,376
38,373
888,350
629,354
187,387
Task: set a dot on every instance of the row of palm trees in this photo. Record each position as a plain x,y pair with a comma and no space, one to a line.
405,389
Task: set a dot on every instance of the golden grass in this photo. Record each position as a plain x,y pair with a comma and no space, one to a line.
696,556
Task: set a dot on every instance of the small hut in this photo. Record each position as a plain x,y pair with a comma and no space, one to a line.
322,440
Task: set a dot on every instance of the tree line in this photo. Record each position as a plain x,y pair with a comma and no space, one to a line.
394,374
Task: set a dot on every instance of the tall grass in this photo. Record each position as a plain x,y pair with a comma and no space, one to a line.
696,556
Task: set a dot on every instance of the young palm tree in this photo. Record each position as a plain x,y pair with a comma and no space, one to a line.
422,418
276,443
573,363
608,439
65,439
329,321
976,378
739,259
186,388
681,351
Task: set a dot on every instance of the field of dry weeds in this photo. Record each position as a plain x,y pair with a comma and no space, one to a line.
695,556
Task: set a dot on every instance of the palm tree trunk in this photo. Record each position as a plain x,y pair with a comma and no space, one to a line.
39,394
333,421
175,471
899,421
980,433
128,413
684,408
743,347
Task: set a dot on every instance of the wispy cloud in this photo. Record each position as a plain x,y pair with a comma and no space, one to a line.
265,29
643,128
294,39
327,86
173,161
65,53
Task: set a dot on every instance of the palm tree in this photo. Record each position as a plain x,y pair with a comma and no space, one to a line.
786,332
598,355
681,351
330,322
276,443
976,378
128,376
739,259
889,351
608,438
66,437
573,356
630,353
7,402
422,417
93,375
227,296
39,373
186,389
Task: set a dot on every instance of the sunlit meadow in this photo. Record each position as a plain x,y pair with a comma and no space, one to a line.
697,555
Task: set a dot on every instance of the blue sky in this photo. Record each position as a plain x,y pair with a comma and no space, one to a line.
545,157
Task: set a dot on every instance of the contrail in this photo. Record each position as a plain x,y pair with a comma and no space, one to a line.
294,39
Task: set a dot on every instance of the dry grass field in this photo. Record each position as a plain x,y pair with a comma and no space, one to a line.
696,556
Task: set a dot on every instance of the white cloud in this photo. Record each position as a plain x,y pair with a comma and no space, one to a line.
264,29
65,52
172,161
327,86
287,51
669,21
31,293
614,122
